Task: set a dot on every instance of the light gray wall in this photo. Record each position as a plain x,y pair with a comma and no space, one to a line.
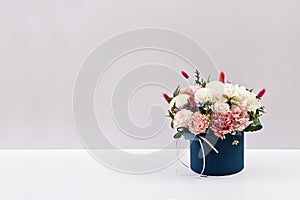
43,43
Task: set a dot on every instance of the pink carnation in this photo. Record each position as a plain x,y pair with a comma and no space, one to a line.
198,123
221,124
240,118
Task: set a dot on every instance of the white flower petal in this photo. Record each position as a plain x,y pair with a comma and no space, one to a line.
179,100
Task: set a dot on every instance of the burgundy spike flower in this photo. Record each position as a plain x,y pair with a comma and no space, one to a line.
185,74
222,77
167,98
261,93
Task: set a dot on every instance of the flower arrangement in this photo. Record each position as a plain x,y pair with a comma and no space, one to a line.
216,107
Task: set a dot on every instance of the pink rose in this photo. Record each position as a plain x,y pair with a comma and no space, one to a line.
198,123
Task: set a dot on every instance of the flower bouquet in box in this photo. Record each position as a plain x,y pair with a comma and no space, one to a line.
214,115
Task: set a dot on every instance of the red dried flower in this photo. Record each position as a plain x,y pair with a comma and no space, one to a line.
222,77
167,98
184,74
261,93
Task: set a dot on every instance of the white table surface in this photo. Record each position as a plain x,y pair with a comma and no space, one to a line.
74,174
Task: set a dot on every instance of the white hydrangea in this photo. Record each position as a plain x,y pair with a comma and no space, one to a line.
217,91
217,97
215,86
230,90
246,99
252,102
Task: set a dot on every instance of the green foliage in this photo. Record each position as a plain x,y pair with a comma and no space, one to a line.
252,128
176,91
199,80
178,135
206,109
180,131
230,100
197,76
173,109
170,114
254,116
208,79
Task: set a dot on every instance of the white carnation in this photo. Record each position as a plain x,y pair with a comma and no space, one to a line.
203,94
221,107
182,117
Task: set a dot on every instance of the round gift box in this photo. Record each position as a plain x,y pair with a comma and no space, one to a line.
228,160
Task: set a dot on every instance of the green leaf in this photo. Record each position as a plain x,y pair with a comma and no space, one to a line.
170,114
182,129
199,80
177,135
197,76
255,121
262,109
172,124
252,128
176,92
226,97
169,99
208,79
173,107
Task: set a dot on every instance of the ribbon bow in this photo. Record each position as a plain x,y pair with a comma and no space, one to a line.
201,139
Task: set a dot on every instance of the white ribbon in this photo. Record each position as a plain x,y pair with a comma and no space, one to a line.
202,151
